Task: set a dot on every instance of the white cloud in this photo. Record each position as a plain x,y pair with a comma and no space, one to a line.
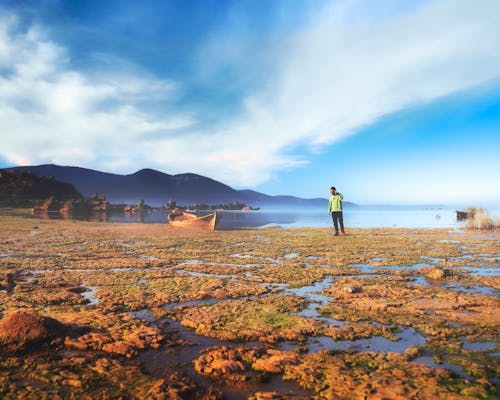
336,75
50,112
340,75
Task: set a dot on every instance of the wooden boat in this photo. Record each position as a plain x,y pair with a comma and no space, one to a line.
187,220
462,215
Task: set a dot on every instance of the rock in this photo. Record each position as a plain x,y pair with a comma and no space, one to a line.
120,347
178,389
9,278
89,341
24,330
274,361
10,283
77,289
228,364
352,289
63,296
436,272
266,396
72,382
412,352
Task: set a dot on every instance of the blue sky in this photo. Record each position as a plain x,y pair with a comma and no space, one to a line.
393,102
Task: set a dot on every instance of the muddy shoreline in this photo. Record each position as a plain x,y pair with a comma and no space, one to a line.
154,312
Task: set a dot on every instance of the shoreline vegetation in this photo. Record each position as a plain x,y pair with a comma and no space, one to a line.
121,310
480,219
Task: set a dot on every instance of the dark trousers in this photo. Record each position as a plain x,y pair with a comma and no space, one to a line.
338,219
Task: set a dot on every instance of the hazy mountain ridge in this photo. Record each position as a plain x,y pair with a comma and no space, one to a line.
156,187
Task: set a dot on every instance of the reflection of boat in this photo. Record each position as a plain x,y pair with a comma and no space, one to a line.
187,220
461,215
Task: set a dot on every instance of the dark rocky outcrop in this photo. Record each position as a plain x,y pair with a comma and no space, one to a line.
94,203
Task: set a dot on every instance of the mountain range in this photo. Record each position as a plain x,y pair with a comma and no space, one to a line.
156,187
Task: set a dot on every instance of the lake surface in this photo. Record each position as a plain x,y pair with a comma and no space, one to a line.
354,217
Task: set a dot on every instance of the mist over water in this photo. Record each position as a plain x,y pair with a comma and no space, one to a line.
294,217
364,217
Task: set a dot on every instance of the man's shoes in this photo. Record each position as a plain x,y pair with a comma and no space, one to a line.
336,233
343,233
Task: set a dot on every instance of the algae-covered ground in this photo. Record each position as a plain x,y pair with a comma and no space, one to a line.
147,311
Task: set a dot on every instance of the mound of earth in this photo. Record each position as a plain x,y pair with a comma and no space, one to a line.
25,330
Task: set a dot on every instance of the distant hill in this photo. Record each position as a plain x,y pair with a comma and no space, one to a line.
258,198
156,187
22,188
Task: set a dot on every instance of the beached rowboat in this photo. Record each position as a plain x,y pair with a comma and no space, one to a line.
187,220
462,215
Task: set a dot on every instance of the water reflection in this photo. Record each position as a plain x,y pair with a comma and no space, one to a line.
356,217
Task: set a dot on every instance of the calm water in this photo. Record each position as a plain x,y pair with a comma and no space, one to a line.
366,217
356,217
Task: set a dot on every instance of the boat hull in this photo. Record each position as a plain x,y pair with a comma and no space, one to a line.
190,221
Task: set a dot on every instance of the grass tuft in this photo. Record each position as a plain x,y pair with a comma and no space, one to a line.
480,219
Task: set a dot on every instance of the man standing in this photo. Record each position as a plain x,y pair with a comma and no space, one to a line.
335,208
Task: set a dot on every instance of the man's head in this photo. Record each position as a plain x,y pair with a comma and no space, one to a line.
333,190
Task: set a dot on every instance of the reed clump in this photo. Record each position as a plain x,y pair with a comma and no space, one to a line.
480,219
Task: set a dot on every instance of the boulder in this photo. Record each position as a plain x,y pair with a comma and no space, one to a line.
352,289
26,330
436,273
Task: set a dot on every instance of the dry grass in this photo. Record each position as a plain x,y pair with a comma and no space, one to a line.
480,219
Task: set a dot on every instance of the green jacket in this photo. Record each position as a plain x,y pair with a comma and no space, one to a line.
335,202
